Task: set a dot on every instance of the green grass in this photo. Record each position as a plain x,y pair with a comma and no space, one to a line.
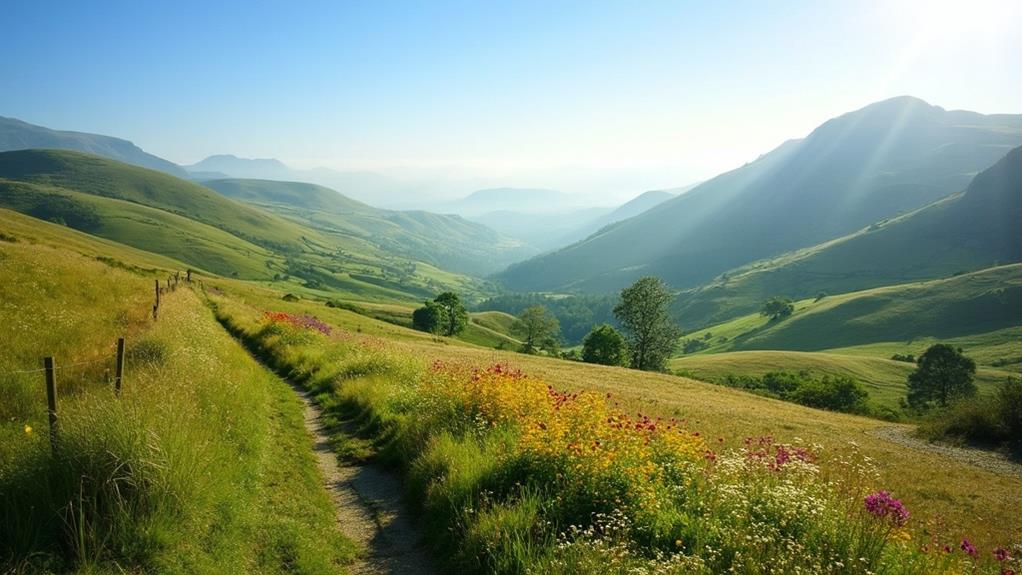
202,465
953,309
885,379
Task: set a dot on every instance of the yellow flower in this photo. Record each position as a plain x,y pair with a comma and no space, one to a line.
28,429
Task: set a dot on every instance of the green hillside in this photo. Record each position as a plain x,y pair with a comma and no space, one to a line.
154,211
971,230
446,241
887,158
904,318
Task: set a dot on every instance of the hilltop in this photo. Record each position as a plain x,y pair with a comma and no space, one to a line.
18,135
887,158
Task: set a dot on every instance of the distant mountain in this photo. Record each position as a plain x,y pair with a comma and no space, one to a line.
968,231
366,186
887,158
18,135
519,200
447,241
629,209
543,231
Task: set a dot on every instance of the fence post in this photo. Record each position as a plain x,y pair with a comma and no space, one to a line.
51,399
119,373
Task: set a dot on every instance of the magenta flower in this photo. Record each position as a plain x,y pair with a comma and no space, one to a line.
969,548
1001,554
881,504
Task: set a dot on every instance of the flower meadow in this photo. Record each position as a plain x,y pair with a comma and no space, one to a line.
512,475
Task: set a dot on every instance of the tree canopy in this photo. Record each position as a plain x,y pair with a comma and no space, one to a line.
445,315
777,308
942,375
539,329
605,345
651,331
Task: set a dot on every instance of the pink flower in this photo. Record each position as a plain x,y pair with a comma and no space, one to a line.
881,504
969,548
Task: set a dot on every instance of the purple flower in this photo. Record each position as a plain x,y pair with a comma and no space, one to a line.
1001,554
881,504
969,548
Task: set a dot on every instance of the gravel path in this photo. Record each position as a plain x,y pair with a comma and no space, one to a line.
369,509
984,459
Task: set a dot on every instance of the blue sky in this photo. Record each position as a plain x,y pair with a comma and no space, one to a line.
590,96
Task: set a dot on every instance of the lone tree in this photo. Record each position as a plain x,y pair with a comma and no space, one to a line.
445,315
604,345
457,315
777,308
942,375
539,329
652,334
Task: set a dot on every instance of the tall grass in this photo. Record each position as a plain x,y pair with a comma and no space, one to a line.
511,476
200,466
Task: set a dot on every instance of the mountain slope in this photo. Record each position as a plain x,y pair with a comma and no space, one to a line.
971,230
965,305
890,157
18,135
154,211
446,241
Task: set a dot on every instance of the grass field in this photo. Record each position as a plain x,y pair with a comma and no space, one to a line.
884,379
202,465
977,503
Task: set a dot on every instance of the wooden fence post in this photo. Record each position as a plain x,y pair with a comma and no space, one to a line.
119,373
51,399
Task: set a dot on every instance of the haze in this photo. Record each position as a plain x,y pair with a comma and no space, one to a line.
600,99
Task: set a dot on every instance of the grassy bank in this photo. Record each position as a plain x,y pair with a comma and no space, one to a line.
202,465
513,476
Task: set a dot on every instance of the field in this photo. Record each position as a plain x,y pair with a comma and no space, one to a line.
883,378
201,465
978,503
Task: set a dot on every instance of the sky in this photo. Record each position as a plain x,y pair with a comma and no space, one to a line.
599,97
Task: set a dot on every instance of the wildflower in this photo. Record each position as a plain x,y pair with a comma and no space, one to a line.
881,504
28,429
969,548
1001,554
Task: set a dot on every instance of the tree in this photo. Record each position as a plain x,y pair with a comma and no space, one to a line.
456,314
539,329
777,308
605,345
652,333
431,318
943,374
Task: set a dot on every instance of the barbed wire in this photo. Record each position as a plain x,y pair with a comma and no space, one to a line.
58,367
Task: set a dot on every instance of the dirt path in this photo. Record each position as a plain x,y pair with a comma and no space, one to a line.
988,460
369,509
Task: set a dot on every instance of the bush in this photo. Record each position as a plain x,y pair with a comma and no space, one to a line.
991,421
834,393
907,358
604,345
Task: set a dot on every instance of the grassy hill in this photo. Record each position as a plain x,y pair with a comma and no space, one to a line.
971,230
903,318
446,241
887,158
155,211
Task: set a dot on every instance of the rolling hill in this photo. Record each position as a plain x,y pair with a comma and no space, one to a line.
18,135
888,158
975,229
158,212
446,241
902,317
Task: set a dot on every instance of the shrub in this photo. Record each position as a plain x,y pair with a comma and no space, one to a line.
994,421
604,345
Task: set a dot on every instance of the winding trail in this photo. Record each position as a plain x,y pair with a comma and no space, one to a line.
369,508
